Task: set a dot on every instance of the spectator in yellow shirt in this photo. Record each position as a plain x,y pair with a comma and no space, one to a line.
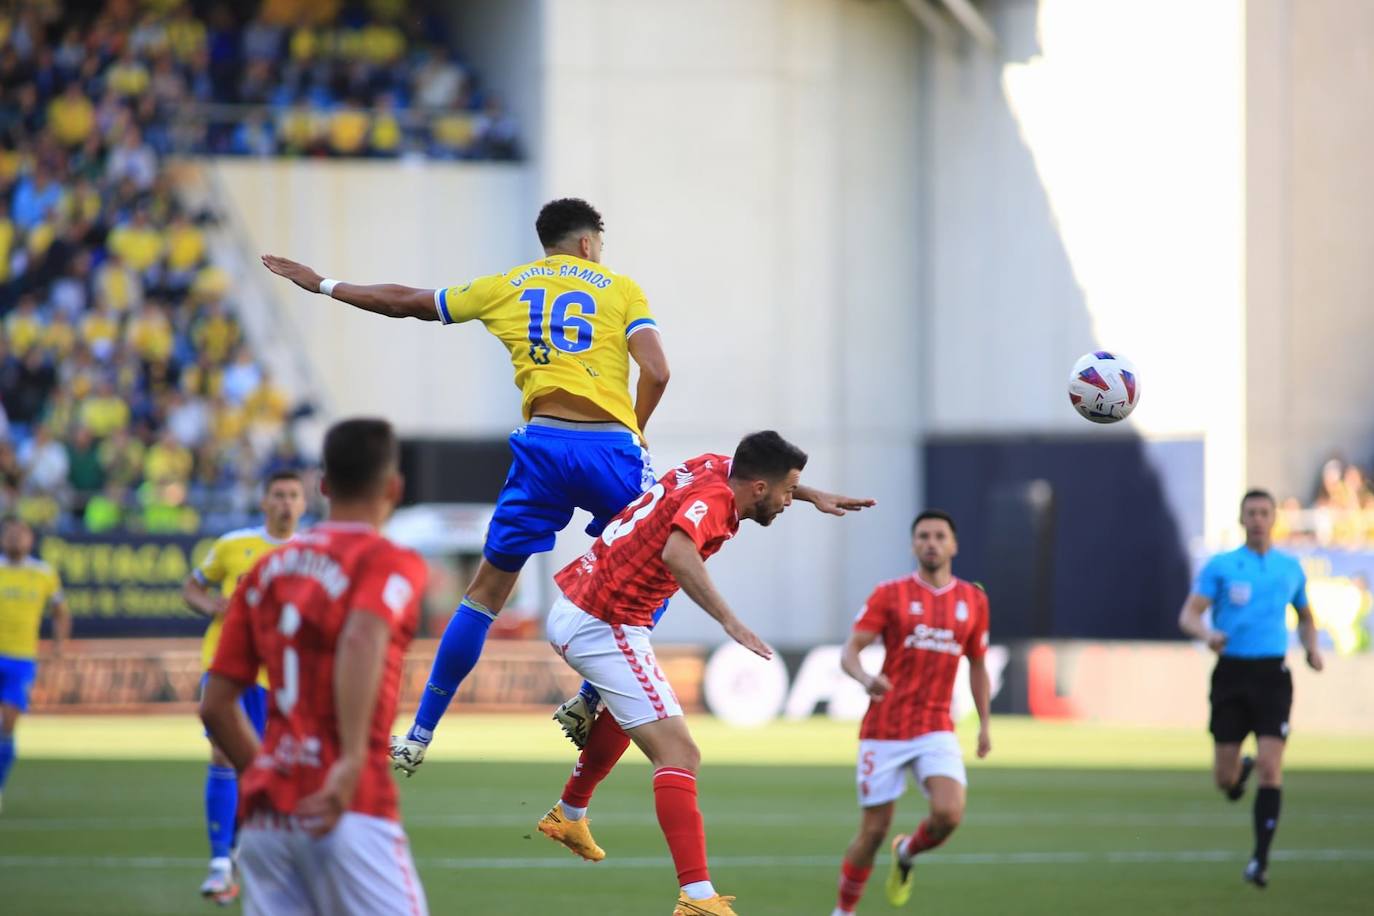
24,326
6,243
267,406
227,421
149,334
168,460
127,77
100,330
71,116
122,455
216,333
59,336
348,129
385,137
185,252
137,243
104,412
118,286
185,33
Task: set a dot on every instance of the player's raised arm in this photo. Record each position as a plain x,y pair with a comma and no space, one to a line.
646,349
358,662
389,299
832,503
851,664
681,557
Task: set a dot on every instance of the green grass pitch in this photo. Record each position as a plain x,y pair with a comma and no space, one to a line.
103,816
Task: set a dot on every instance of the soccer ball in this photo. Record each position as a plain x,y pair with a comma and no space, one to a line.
1104,387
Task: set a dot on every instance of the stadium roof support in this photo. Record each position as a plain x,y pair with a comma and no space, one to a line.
963,12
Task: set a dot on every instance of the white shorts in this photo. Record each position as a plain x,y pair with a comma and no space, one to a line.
883,765
361,867
617,660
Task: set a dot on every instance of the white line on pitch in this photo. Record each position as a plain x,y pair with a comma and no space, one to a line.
637,862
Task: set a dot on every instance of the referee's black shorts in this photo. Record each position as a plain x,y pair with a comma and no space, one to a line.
1250,695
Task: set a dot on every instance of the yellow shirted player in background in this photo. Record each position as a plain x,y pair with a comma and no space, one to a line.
571,326
208,591
28,587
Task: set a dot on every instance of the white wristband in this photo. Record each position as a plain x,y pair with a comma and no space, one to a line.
327,287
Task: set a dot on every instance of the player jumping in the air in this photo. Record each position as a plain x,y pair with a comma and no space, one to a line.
330,616
926,621
208,591
28,588
571,326
600,626
1249,590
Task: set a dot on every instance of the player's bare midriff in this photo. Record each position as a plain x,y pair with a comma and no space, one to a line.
561,405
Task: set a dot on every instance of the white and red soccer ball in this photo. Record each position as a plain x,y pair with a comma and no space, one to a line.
1104,387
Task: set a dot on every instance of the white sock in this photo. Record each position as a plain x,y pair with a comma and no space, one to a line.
222,863
840,912
571,813
699,890
422,735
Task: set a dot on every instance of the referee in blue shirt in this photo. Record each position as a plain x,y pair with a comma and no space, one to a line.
1249,590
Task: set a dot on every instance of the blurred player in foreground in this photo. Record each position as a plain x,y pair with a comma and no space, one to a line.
926,621
600,626
208,591
330,616
28,588
1249,590
572,327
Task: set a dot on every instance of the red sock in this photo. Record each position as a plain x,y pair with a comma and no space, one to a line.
605,745
675,799
852,881
923,839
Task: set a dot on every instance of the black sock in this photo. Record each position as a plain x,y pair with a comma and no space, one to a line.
1266,821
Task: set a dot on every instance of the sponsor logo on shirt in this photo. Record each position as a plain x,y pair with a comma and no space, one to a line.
396,593
961,611
1239,592
916,608
696,512
934,639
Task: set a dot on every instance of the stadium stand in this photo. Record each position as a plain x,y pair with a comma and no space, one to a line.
130,395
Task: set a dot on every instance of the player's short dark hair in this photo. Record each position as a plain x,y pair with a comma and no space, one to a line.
1258,494
561,218
357,453
282,474
766,456
938,515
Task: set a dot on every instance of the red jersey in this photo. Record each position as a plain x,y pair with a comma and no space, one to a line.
286,616
623,579
924,631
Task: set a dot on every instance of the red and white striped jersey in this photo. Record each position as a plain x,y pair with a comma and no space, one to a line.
924,630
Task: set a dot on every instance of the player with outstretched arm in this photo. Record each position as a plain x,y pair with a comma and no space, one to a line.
601,626
926,621
572,326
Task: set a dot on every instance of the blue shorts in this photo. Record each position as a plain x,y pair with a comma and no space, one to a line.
16,680
557,467
254,703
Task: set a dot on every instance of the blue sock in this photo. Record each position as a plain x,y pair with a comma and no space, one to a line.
459,650
221,809
590,694
6,757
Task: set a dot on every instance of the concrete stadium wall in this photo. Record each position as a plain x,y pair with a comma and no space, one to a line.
757,165
1311,214
421,224
1077,194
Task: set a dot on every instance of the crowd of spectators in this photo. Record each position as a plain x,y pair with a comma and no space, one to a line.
289,77
1340,512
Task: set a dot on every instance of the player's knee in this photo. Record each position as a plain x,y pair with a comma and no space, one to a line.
1224,777
1270,772
874,830
944,818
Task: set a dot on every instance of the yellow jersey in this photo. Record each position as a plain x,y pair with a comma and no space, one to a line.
27,589
567,324
229,558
